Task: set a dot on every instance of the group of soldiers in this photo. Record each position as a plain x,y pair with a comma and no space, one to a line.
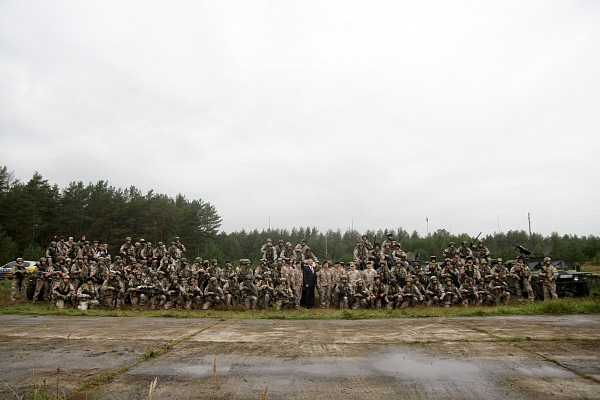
85,276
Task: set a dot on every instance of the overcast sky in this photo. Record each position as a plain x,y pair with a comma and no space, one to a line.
315,113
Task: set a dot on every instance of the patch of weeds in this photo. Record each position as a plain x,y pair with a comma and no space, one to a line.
152,353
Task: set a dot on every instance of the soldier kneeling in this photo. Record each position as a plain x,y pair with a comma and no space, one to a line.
63,293
284,298
87,295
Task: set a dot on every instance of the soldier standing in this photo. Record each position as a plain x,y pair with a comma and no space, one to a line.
296,279
522,274
19,273
44,277
324,285
549,274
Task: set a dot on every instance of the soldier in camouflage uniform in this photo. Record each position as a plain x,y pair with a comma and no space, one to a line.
19,273
411,296
43,274
482,253
361,296
549,274
433,269
360,256
79,272
265,291
52,253
249,293
87,294
296,281
379,292
417,272
499,290
353,274
213,294
483,293
127,251
325,284
63,293
450,295
368,275
394,295
175,295
270,254
468,292
500,269
299,249
284,298
112,292
88,251
156,292
288,254
485,271
137,285
287,271
231,291
344,292
469,270
434,291
522,274
451,250
400,273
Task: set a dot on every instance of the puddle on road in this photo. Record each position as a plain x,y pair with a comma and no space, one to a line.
410,366
403,364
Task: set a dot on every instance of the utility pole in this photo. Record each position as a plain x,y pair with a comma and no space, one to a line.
530,237
498,218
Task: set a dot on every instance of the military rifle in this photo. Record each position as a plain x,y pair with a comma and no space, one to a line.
92,295
522,250
473,241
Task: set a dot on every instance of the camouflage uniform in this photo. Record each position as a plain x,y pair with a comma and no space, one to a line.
324,285
112,292
231,291
265,291
156,295
360,256
368,275
549,274
135,287
249,293
79,273
450,293
522,274
19,273
213,294
484,296
394,295
450,250
44,279
344,293
88,296
353,275
175,295
468,292
400,273
361,296
379,291
288,254
296,279
434,291
411,296
63,292
499,290
284,298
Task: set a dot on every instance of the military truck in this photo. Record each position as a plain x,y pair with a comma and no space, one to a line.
570,282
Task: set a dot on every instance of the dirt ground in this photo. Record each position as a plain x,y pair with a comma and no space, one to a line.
516,357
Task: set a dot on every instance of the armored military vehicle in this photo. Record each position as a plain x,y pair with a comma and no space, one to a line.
571,281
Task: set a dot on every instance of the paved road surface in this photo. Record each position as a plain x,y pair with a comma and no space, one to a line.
516,357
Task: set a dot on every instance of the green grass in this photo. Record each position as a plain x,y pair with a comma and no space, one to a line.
555,307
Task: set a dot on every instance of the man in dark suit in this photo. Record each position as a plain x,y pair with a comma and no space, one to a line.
309,280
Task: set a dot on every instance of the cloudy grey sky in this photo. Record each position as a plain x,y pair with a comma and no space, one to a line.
311,113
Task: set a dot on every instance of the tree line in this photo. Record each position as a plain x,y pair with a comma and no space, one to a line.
34,213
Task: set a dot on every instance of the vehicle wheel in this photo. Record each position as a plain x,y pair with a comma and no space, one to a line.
538,291
583,289
30,291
